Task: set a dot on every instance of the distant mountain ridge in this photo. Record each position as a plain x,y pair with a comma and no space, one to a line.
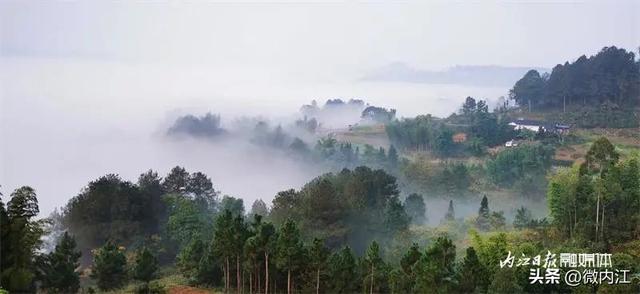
471,75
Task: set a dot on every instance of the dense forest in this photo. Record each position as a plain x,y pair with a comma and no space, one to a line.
366,223
342,232
604,89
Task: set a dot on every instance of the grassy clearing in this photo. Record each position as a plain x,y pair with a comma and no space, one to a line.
374,135
627,142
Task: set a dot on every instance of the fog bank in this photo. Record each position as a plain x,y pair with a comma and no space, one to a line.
66,122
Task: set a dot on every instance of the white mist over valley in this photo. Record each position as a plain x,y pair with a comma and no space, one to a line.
79,122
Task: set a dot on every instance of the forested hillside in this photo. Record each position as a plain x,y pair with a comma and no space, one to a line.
440,209
341,233
604,89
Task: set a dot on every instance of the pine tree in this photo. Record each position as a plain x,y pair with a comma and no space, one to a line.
472,276
176,181
343,271
483,221
240,234
415,207
201,188
207,270
145,266
150,187
266,240
289,250
109,265
235,205
375,266
252,255
189,257
450,215
396,281
259,208
58,269
435,269
522,219
318,255
406,279
223,242
393,157
410,258
396,218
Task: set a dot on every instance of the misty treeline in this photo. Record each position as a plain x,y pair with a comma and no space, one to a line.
468,132
334,109
521,168
340,233
335,113
597,91
207,125
302,140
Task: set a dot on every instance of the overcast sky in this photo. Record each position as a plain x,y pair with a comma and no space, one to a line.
322,37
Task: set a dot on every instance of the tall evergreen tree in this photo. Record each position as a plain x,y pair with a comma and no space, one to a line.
529,90
343,271
252,257
58,270
109,267
451,214
266,242
289,250
375,266
189,258
109,208
259,207
416,209
176,181
522,219
207,270
410,258
396,218
472,276
318,255
240,235
187,221
392,156
223,242
146,266
234,205
150,185
483,221
435,269
201,188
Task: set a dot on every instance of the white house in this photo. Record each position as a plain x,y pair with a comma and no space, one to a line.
535,125
532,125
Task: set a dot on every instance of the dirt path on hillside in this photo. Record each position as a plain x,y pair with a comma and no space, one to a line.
187,290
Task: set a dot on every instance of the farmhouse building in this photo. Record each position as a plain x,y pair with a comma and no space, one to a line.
535,125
